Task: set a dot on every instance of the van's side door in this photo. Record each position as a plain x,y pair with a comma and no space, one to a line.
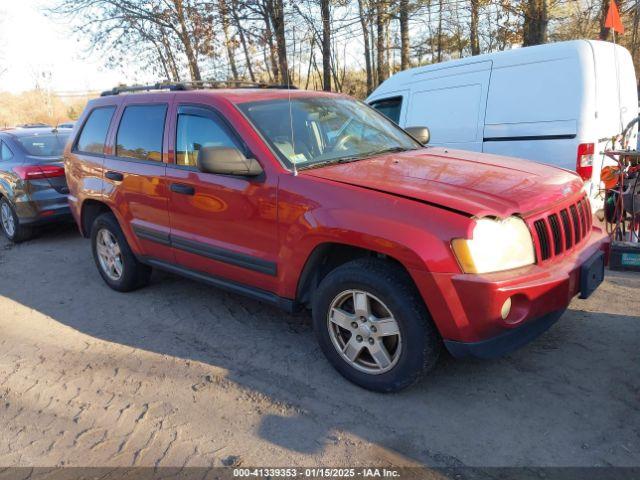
451,101
135,176
221,225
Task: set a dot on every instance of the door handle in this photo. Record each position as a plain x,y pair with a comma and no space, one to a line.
182,189
115,176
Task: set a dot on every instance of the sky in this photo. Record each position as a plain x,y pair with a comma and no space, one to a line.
32,43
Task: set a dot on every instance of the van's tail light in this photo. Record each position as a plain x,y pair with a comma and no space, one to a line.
584,161
34,172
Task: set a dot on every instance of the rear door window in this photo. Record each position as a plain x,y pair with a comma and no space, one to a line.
94,131
140,132
389,107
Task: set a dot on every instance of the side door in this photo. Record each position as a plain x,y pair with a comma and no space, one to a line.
451,102
221,225
135,176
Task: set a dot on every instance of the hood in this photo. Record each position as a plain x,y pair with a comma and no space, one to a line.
471,183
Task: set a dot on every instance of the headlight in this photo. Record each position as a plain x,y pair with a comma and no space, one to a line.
496,245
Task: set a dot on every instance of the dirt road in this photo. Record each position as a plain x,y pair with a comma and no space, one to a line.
183,374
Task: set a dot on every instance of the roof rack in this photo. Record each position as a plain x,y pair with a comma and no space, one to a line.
192,85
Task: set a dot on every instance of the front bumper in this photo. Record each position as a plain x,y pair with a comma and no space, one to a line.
506,342
467,308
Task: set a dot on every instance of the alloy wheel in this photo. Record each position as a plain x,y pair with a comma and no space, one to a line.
8,222
109,254
364,332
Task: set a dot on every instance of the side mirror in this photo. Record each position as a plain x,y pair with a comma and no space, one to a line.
421,134
227,161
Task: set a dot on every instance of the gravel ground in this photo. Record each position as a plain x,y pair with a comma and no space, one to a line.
182,374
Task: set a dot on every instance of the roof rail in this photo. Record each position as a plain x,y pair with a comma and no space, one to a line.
192,85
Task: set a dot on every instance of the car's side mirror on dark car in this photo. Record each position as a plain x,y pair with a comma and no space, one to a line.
421,134
227,161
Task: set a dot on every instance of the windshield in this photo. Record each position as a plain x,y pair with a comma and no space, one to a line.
44,145
325,130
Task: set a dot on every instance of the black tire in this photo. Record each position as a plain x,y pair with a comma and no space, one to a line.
21,232
134,274
421,342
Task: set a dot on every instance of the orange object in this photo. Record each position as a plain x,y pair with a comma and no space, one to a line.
613,19
609,176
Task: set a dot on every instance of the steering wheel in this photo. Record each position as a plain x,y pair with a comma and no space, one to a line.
340,144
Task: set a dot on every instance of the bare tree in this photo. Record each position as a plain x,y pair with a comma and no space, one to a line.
534,30
325,15
473,27
404,34
364,23
382,19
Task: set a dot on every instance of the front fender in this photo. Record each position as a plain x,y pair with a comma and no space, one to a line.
413,233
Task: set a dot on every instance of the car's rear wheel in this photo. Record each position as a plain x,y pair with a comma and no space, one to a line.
373,326
116,262
11,225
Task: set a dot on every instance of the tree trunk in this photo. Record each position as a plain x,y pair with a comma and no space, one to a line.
383,66
186,39
224,19
243,40
269,40
473,35
404,35
171,59
367,47
634,32
604,9
277,19
534,30
325,14
440,7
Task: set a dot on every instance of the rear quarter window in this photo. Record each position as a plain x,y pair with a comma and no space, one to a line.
5,153
94,131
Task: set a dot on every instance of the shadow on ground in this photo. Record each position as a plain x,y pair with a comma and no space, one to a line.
567,399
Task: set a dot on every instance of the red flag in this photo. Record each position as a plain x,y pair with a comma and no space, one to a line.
613,19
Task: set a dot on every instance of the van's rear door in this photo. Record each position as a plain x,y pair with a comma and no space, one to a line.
616,96
451,101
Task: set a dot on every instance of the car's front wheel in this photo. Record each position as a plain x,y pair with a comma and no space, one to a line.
116,262
373,326
11,225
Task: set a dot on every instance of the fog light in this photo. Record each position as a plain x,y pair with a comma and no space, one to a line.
506,308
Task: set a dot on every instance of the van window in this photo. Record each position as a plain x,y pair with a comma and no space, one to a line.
140,132
195,132
389,107
5,153
94,131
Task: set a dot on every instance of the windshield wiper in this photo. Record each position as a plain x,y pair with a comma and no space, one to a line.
392,150
354,158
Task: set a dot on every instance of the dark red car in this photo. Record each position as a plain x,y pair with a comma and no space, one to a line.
301,198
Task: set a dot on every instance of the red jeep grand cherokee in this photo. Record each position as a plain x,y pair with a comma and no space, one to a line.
301,198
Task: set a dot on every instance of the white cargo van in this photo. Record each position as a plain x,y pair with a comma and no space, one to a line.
558,103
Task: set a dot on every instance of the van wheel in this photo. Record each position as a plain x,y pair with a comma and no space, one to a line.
373,327
11,224
116,262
